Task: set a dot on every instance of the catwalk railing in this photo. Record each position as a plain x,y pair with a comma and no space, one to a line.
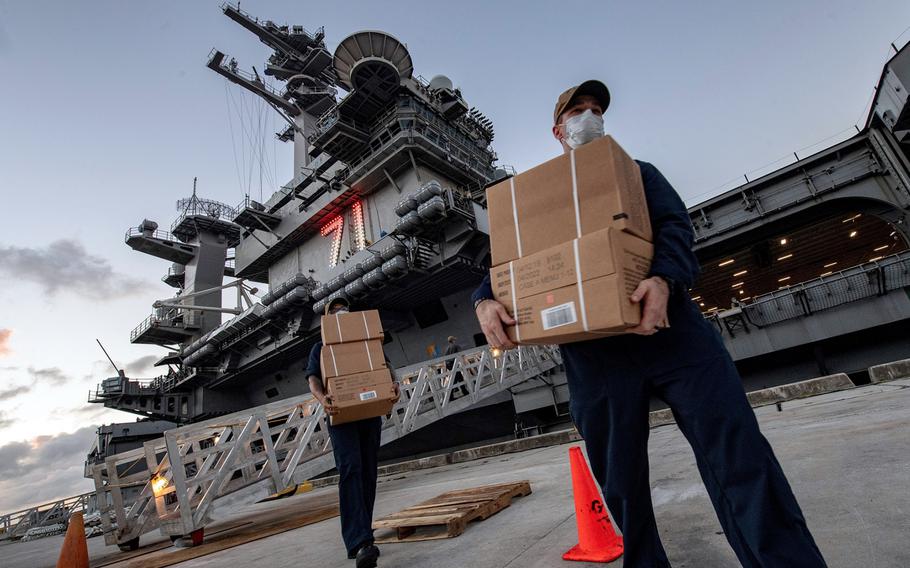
867,280
15,525
283,443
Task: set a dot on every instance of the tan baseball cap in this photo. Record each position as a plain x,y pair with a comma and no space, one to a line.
593,88
337,302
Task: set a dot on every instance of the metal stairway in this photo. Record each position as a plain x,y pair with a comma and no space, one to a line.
281,443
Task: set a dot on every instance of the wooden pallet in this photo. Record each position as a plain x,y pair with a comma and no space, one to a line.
447,515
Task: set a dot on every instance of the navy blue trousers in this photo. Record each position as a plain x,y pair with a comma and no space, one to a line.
356,449
688,367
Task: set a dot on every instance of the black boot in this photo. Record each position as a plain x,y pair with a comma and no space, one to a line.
367,556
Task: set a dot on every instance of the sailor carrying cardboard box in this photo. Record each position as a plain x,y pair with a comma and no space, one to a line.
557,230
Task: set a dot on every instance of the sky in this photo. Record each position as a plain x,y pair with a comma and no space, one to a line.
107,113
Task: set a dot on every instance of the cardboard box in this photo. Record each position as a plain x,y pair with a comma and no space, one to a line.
349,358
550,204
353,326
542,290
361,395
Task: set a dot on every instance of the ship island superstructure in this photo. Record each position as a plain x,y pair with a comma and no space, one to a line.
385,209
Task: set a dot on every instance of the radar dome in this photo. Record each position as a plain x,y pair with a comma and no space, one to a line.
440,82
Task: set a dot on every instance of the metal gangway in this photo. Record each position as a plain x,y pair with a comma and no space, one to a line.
15,525
178,477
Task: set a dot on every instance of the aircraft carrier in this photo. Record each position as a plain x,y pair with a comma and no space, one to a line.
387,209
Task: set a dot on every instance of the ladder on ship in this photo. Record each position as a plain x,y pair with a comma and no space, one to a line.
281,444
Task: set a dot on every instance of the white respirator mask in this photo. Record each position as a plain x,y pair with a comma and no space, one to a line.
343,311
583,128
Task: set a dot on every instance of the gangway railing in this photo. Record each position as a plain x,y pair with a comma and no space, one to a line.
14,525
868,280
158,234
282,443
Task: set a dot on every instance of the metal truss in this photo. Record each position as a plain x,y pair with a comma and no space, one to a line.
15,525
283,443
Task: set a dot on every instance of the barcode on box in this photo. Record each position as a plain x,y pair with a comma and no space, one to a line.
563,314
367,395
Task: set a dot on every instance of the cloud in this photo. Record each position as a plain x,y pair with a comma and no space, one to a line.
141,364
4,422
52,375
66,265
19,458
45,468
4,341
12,393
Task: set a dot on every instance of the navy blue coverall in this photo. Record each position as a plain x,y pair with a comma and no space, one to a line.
356,449
687,366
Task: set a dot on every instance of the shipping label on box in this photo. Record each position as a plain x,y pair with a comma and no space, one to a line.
594,187
353,326
349,358
577,290
361,395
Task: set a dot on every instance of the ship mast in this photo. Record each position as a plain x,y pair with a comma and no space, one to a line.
302,62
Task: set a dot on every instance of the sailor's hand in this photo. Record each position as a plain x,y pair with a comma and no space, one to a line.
330,409
653,294
492,315
397,389
326,402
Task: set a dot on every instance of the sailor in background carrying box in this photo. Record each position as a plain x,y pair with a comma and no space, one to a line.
349,376
612,378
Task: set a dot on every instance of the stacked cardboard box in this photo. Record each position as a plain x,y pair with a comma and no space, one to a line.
354,367
570,243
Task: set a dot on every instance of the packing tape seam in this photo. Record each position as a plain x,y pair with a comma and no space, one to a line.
515,215
575,195
366,328
334,363
581,290
514,300
338,323
370,357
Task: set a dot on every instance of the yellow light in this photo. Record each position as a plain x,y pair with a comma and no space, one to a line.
726,262
697,298
702,304
741,272
783,242
822,275
876,258
829,265
746,298
742,291
159,483
784,279
883,247
853,234
786,256
854,218
737,285
784,287
496,352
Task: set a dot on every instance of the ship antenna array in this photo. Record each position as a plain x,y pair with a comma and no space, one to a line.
114,365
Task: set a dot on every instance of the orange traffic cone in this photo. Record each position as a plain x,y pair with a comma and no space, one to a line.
597,541
74,553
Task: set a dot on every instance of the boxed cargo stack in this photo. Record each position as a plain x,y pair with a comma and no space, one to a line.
354,368
570,242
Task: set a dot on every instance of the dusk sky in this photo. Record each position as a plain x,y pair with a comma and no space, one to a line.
108,112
